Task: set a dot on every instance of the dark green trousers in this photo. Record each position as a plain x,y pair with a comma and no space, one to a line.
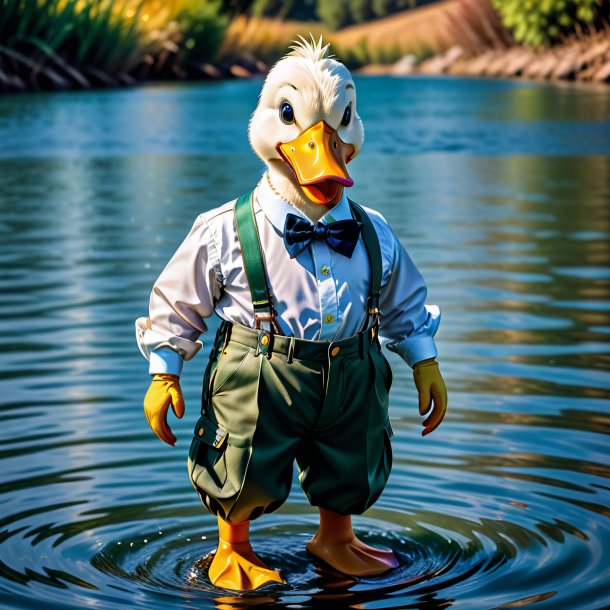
322,403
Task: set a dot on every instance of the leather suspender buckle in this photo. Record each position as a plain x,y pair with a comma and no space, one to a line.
263,317
266,317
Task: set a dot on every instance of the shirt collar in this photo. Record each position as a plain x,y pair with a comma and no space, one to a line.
275,208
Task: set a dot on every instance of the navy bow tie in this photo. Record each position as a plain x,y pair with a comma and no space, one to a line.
341,235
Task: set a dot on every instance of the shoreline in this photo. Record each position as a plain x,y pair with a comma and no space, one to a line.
584,60
580,60
211,73
449,37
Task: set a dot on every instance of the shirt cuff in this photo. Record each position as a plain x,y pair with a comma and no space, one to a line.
165,361
414,349
420,344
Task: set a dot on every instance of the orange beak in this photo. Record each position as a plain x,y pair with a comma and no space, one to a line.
318,157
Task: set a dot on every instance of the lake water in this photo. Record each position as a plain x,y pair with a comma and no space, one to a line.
499,190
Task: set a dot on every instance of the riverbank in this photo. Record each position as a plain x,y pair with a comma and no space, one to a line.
579,58
456,37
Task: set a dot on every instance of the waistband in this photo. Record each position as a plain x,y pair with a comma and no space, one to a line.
302,349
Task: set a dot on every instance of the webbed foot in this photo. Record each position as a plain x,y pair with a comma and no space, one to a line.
337,545
235,565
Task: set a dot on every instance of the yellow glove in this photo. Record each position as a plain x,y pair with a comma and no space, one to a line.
163,391
431,386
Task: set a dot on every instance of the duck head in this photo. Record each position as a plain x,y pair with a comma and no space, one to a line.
306,128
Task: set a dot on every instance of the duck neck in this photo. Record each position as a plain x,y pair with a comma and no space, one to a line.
283,183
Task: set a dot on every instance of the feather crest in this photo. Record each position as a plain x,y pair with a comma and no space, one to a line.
310,49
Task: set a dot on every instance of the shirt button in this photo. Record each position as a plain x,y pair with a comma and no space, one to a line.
325,270
329,318
334,351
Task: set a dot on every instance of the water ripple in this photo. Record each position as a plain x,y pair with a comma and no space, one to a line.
505,506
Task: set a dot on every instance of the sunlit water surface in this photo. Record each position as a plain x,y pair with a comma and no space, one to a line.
499,190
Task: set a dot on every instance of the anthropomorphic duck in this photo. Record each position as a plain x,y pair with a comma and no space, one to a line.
306,283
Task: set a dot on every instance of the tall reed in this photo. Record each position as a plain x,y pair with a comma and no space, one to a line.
80,43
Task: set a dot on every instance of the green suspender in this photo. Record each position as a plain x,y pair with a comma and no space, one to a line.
371,243
254,267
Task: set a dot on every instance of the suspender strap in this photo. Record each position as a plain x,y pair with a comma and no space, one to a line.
371,243
254,267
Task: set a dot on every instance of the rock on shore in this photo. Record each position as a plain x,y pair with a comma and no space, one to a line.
582,58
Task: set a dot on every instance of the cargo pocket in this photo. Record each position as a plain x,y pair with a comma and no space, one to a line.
218,463
221,449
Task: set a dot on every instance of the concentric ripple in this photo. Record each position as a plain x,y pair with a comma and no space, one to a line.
442,560
500,192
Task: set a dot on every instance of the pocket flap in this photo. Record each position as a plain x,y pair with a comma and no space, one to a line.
210,432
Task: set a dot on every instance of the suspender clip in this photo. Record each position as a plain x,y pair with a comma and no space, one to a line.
372,305
264,339
372,310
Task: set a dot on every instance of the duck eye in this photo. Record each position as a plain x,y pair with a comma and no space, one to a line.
286,113
347,116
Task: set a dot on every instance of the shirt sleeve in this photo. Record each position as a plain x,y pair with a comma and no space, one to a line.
182,297
407,325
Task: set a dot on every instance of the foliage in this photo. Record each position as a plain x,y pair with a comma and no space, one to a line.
542,21
202,28
299,10
333,13
337,14
65,43
235,7
98,33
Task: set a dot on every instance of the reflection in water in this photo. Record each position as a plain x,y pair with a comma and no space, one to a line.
500,192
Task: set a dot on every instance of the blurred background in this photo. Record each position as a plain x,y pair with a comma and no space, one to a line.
487,149
67,44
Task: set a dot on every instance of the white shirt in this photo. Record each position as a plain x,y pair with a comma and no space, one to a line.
319,295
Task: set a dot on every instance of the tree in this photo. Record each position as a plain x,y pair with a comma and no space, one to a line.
333,14
544,21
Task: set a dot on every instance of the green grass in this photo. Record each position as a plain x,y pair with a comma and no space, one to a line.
80,43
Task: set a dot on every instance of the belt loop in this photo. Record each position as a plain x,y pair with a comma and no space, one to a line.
290,351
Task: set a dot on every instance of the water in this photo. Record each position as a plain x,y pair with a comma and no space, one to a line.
500,192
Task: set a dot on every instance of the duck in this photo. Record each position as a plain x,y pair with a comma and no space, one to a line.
306,148
306,129
318,132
